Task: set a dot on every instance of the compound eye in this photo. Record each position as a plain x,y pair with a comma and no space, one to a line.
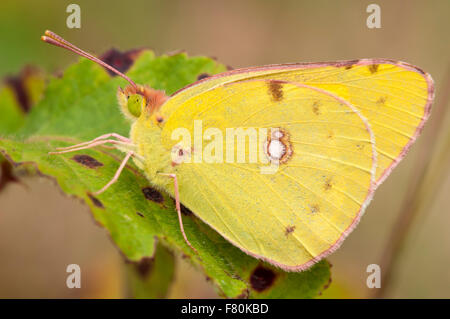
135,104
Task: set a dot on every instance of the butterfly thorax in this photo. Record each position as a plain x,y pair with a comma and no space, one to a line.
141,105
146,135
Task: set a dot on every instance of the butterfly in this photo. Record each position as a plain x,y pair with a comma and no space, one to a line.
281,160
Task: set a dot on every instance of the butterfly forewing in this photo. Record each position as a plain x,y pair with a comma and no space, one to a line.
303,210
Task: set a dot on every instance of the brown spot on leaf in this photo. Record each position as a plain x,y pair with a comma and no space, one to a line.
6,174
325,286
144,266
276,90
185,211
203,76
153,194
244,294
140,214
18,83
262,278
373,68
96,201
328,283
289,229
87,161
121,61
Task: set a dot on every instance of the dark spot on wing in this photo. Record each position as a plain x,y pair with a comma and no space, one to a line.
185,211
315,208
262,278
330,134
203,76
87,161
346,64
328,185
159,119
144,266
140,214
316,107
121,61
289,229
279,135
153,194
381,100
373,68
276,90
96,201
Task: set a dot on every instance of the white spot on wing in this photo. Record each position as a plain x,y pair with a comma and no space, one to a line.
276,149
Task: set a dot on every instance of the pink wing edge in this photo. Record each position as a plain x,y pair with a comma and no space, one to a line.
374,184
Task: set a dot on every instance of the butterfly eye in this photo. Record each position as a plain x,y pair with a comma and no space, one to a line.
160,119
134,104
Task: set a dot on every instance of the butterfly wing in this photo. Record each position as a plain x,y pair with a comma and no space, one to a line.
394,96
303,210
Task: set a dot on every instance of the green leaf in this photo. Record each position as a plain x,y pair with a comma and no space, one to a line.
151,277
12,116
18,94
82,105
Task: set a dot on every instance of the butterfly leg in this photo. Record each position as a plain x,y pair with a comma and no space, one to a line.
123,144
91,144
102,137
117,174
178,207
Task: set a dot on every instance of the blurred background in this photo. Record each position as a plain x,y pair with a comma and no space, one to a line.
42,231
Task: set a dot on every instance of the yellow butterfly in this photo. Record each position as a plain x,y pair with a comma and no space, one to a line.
281,160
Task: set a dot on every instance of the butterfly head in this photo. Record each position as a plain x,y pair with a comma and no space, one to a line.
135,101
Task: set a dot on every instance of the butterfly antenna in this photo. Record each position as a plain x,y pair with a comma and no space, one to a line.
54,39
